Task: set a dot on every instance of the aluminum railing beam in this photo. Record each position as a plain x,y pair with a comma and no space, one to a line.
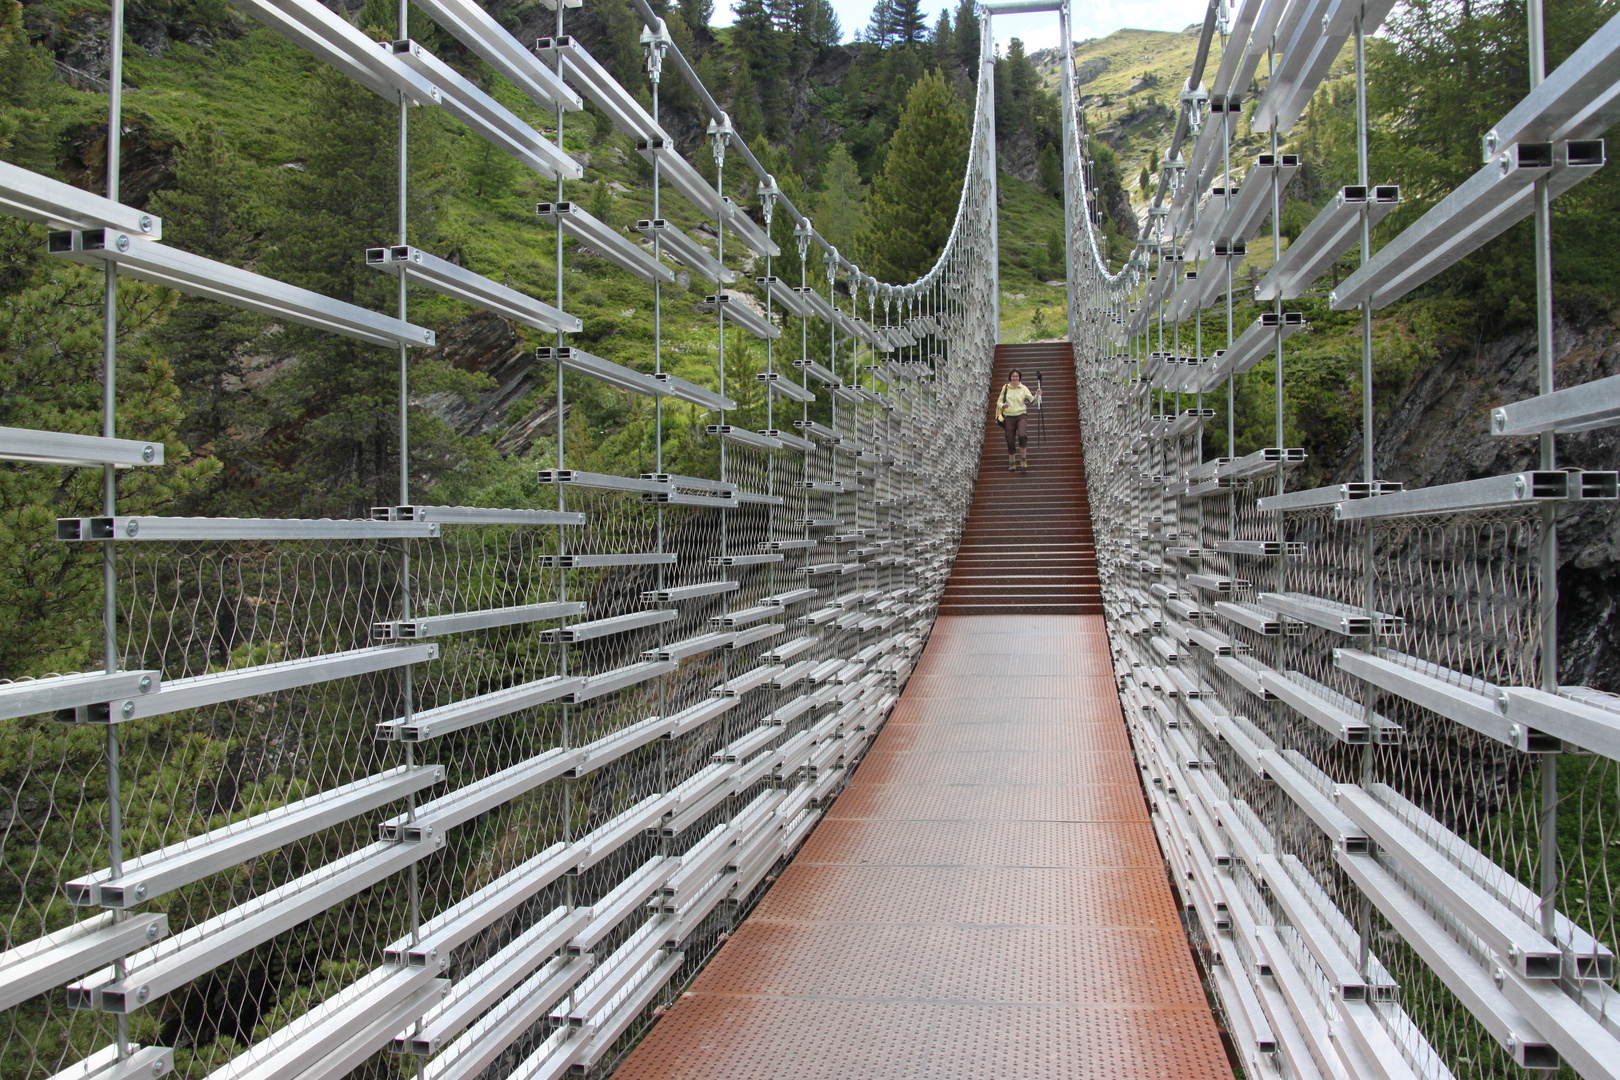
687,251
748,231
479,31
680,175
1585,407
198,691
475,515
1329,235
444,719
1460,972
735,311
446,278
1580,99
149,876
582,70
1252,205
194,275
502,128
32,197
68,693
1480,209
155,972
466,621
45,963
606,241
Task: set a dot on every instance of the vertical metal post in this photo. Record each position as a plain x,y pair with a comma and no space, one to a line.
986,51
562,543
1369,692
408,689
109,475
1549,515
1066,86
655,70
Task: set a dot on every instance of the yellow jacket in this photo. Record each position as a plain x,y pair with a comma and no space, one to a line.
1015,400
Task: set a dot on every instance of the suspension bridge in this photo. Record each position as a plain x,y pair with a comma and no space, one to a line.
860,757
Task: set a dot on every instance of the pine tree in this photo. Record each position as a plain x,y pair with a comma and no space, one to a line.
839,206
880,30
329,438
1049,169
746,116
910,27
913,200
601,204
817,25
50,367
943,43
213,211
697,13
967,35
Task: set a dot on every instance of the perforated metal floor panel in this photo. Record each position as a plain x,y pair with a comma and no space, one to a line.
985,900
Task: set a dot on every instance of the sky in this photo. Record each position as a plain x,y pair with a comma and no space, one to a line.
1092,18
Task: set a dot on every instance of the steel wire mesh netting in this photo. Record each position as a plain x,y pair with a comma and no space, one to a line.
1201,637
263,946
1464,594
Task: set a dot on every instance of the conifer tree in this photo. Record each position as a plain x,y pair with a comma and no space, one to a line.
910,27
1049,169
839,205
967,34
746,116
913,200
943,44
697,13
880,30
816,25
213,211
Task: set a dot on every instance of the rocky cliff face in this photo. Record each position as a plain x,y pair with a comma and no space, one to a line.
1438,432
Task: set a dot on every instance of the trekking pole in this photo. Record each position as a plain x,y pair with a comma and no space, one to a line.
1040,409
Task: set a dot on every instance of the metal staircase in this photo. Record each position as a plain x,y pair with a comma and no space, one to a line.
1027,547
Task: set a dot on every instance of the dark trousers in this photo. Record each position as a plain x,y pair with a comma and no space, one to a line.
1017,432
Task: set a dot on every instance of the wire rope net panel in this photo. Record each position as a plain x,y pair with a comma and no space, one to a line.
470,791
1387,867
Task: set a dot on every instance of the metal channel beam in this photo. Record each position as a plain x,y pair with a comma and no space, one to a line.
606,241
199,691
475,515
600,88
61,448
68,693
194,275
446,278
457,715
502,128
1480,209
479,31
1520,945
32,197
166,967
466,621
149,876
39,966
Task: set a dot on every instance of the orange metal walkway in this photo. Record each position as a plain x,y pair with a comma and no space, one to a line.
985,900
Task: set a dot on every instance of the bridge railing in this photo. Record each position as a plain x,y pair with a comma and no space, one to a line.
1392,828
471,791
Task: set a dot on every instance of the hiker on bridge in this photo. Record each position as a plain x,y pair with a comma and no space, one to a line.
1012,407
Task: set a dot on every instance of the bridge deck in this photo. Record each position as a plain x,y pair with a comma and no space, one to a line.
986,898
